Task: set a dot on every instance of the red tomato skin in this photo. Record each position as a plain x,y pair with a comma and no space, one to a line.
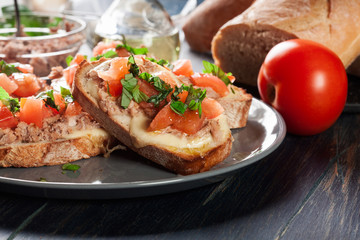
7,119
69,74
306,83
32,111
211,108
73,109
8,85
183,67
209,80
28,84
190,122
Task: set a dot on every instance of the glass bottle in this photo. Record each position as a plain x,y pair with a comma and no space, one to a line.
143,23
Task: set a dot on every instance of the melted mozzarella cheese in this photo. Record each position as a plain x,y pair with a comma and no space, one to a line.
180,143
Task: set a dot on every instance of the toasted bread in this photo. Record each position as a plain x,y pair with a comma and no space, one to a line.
65,150
60,138
181,153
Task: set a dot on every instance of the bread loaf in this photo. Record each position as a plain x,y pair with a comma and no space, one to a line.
203,23
241,44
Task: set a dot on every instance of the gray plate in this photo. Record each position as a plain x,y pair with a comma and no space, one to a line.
126,174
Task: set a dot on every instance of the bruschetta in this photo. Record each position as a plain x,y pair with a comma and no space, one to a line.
42,126
161,114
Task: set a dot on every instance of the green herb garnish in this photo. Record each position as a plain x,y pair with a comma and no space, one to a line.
131,91
69,59
163,88
8,69
192,102
134,68
216,71
135,51
11,103
66,94
48,98
42,179
70,167
108,54
161,62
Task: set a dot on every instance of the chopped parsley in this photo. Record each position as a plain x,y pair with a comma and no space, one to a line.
49,99
42,179
135,51
11,103
131,91
162,87
134,68
70,167
66,95
108,54
216,71
161,62
192,102
68,60
8,69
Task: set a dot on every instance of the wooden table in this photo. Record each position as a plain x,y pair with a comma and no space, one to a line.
307,188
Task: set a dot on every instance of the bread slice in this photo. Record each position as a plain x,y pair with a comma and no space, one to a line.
62,138
176,151
79,145
240,46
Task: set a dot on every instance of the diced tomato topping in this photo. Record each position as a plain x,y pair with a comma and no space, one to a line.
7,119
231,78
6,83
69,74
49,111
31,111
103,47
167,77
211,108
114,87
60,102
73,109
164,118
28,84
190,122
117,71
25,68
77,59
147,88
209,80
183,67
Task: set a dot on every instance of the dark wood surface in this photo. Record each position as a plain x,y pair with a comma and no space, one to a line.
308,188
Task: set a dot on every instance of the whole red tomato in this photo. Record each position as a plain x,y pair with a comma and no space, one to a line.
306,83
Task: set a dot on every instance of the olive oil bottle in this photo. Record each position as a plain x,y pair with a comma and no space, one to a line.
143,23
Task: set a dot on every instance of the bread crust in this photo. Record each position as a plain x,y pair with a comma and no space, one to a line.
203,23
240,46
53,153
181,163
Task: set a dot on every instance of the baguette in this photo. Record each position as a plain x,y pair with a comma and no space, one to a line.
240,46
178,152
